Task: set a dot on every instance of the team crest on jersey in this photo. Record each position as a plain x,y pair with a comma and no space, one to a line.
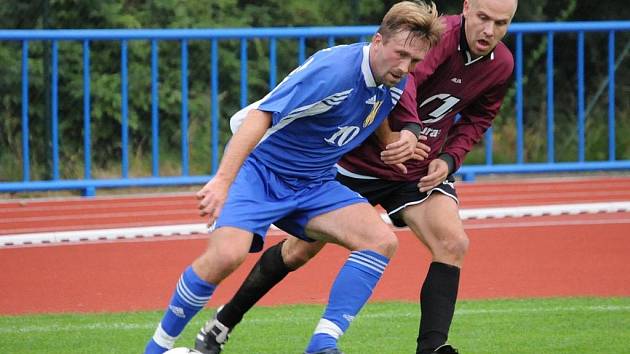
370,118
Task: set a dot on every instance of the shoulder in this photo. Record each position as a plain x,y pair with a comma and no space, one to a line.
453,23
452,32
444,49
327,71
503,59
328,74
339,62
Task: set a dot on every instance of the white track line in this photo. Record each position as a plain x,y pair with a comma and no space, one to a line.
547,223
102,234
543,210
187,229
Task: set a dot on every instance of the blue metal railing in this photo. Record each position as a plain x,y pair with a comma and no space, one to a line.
300,35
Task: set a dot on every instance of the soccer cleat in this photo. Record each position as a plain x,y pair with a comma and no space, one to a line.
445,349
212,336
327,351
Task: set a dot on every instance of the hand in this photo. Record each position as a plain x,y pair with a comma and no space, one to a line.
400,150
436,174
211,199
422,150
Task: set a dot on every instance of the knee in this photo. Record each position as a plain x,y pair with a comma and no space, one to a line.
456,246
297,253
296,258
386,244
225,260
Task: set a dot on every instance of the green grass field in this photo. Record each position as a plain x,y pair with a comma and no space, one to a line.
559,325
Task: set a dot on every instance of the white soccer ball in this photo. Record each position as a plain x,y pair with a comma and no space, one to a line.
181,350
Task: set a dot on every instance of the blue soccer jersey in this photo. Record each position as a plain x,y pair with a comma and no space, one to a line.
323,109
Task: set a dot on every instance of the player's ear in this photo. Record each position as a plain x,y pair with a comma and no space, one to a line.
377,39
466,8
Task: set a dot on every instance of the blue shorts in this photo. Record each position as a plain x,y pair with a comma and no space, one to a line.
259,197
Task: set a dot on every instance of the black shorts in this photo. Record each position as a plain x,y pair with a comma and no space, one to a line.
394,196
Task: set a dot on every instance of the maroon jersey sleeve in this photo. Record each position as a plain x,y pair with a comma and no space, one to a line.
405,111
475,120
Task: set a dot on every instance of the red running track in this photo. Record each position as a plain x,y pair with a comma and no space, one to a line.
29,216
570,255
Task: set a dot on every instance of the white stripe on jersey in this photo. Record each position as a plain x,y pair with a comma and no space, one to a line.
310,110
396,93
333,100
339,96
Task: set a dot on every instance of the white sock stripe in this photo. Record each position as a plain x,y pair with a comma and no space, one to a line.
162,338
186,298
369,258
328,327
367,265
363,262
192,294
189,297
185,294
195,297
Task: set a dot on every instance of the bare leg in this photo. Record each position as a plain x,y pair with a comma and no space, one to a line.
227,248
360,229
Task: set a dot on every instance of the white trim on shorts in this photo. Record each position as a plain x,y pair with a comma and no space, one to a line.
344,172
425,198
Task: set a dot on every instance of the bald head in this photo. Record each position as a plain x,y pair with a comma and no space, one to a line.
508,5
487,23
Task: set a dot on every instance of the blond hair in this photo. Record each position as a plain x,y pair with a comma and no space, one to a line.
417,17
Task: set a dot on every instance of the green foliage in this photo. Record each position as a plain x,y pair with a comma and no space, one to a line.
105,78
105,74
565,90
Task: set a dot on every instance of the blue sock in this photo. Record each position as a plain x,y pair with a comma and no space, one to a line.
350,291
190,296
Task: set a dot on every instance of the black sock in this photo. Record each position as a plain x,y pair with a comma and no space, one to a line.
266,273
437,304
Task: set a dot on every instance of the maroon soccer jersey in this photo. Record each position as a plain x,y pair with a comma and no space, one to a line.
447,82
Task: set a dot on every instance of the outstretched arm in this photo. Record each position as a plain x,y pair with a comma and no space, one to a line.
213,194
